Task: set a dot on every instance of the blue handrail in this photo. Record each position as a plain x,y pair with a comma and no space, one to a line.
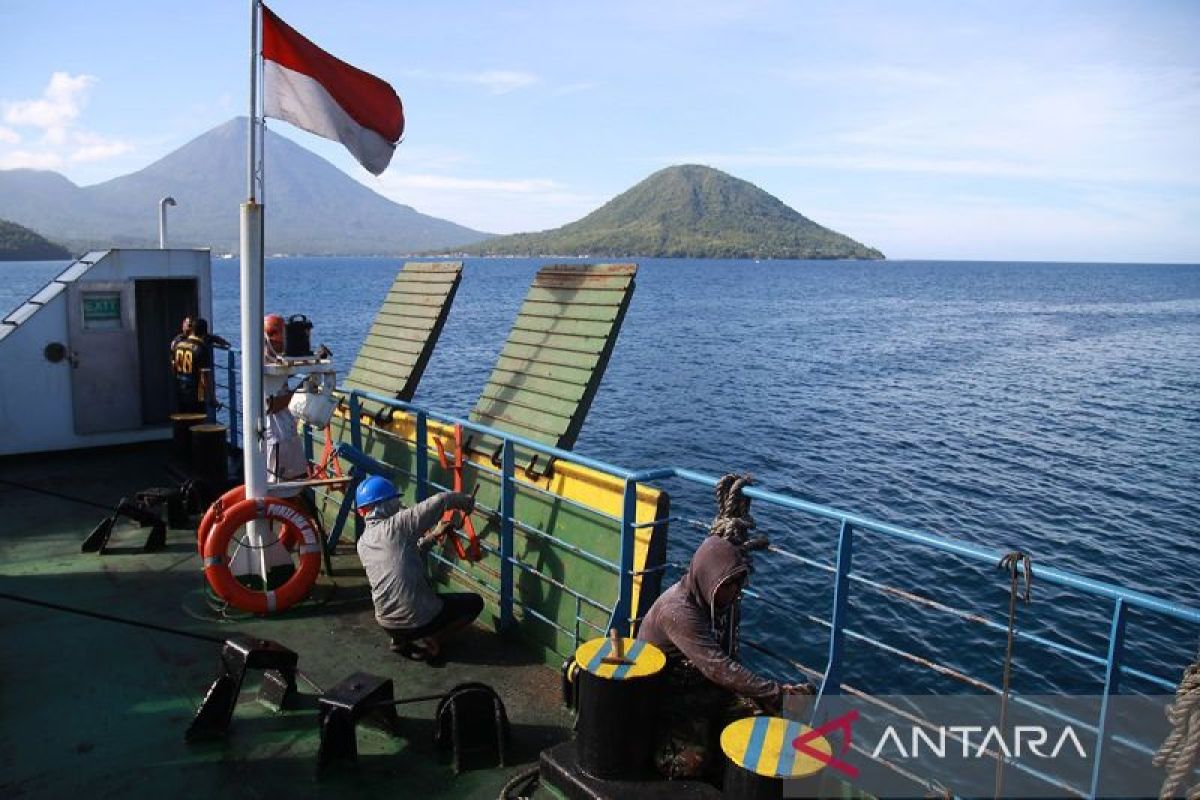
849,524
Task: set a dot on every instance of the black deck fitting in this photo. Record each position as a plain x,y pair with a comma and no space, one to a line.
471,720
139,512
238,654
362,697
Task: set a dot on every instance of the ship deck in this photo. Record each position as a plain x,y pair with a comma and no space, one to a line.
96,708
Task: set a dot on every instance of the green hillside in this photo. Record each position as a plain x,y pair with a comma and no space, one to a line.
687,211
18,243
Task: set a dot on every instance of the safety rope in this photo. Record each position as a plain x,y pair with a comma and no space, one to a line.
83,612
1015,563
1180,752
58,495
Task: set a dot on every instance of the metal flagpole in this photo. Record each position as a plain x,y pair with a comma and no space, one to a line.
253,460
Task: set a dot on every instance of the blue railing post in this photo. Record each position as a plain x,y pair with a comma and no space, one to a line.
355,421
231,391
508,497
1112,679
623,609
356,442
831,684
308,442
421,455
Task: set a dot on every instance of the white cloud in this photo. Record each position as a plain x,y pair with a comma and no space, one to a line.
441,182
56,114
501,81
56,109
496,81
101,151
489,204
25,159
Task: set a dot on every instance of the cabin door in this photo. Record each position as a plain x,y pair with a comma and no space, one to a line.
105,389
162,303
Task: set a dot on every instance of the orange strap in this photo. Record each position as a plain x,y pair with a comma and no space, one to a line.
472,550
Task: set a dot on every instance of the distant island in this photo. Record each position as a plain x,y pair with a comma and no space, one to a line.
687,211
313,208
18,243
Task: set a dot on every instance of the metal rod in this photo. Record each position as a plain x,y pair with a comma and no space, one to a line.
251,149
162,221
508,496
1112,679
841,592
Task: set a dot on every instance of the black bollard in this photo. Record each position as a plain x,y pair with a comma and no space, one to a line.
761,755
181,435
619,685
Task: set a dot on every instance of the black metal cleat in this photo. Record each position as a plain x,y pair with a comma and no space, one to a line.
97,540
362,697
238,654
471,720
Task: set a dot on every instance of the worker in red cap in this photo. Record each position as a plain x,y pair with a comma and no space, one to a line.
282,444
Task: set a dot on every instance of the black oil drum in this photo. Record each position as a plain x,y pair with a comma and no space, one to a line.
761,757
618,707
297,336
181,435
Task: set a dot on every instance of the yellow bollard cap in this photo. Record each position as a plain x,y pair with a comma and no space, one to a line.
644,659
763,745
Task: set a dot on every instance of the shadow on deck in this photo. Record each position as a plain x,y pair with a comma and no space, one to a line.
94,708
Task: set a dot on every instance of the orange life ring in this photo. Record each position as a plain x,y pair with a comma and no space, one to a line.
221,506
297,527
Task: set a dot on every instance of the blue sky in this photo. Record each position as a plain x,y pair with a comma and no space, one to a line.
954,129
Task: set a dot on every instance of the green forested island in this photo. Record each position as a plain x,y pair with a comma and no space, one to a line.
687,211
18,243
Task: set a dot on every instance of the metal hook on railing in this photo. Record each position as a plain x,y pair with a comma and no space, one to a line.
531,468
1013,563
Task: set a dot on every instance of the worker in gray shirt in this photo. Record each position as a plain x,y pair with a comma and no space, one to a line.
392,549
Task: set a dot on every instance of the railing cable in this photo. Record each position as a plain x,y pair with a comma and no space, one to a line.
1014,562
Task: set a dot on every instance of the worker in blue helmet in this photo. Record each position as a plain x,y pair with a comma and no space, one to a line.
392,549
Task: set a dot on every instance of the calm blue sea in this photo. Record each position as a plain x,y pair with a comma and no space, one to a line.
1050,407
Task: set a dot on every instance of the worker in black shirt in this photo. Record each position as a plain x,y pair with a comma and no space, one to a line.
191,363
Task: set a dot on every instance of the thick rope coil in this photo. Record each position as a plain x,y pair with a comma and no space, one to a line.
1180,751
733,521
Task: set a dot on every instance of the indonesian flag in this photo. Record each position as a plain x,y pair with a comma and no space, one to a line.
304,85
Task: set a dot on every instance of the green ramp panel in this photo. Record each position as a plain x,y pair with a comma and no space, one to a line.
401,340
555,356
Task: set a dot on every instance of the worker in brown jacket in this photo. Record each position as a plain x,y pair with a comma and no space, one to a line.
706,686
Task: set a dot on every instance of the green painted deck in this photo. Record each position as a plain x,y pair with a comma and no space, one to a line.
97,709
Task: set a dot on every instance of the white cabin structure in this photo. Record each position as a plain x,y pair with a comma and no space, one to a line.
85,361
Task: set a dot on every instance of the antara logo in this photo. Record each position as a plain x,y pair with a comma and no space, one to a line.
844,723
1025,738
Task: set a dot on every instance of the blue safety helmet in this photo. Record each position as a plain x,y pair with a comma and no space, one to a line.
374,489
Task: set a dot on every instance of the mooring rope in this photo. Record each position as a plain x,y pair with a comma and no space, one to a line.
1014,563
1180,751
733,521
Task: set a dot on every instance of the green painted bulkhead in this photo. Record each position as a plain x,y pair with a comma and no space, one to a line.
567,518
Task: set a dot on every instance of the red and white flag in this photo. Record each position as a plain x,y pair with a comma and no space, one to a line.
304,85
